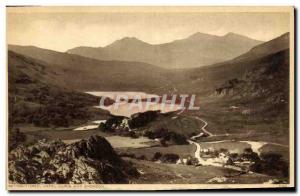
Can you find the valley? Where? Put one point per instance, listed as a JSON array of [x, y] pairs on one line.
[[240, 130]]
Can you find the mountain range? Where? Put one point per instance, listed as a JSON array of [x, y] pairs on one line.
[[87, 74], [260, 72], [194, 51]]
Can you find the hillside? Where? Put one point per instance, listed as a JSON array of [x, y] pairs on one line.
[[86, 74], [246, 97], [271, 47], [194, 51], [205, 80], [35, 99], [269, 78], [242, 101]]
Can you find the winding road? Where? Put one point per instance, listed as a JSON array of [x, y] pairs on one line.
[[197, 152], [202, 129], [210, 162], [198, 147]]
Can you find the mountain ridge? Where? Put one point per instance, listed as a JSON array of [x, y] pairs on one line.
[[153, 77], [86, 74], [196, 50], [273, 46]]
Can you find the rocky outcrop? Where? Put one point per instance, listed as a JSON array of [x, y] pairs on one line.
[[120, 123], [141, 119], [229, 87], [90, 161], [124, 126], [115, 124]]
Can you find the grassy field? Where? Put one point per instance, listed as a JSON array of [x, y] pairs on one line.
[[127, 142], [160, 173], [33, 136], [183, 151]]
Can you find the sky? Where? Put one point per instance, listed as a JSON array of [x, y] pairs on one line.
[[61, 29]]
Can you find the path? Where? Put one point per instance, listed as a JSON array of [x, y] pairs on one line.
[[198, 147], [211, 162], [202, 129]]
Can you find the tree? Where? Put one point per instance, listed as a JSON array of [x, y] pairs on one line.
[[102, 127], [15, 138], [271, 164], [156, 156], [249, 155]]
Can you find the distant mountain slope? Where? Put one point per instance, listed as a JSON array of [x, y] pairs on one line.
[[197, 50], [273, 46], [207, 79], [86, 74]]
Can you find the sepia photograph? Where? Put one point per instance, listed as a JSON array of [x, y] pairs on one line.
[[150, 98]]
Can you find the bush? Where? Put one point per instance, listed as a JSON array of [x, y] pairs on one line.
[[15, 138], [249, 155], [192, 161], [170, 158], [156, 156], [271, 164], [234, 156], [178, 138], [142, 157], [166, 136], [113, 125], [132, 134], [130, 155], [101, 127]]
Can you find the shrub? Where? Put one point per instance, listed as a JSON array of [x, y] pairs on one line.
[[156, 156], [192, 161], [15, 138], [249, 155], [166, 136], [178, 139], [142, 157], [101, 127], [271, 164], [130, 155], [170, 158], [133, 134]]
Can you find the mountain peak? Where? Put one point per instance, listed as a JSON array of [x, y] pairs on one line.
[[127, 41], [231, 34], [130, 39], [236, 36], [199, 35]]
